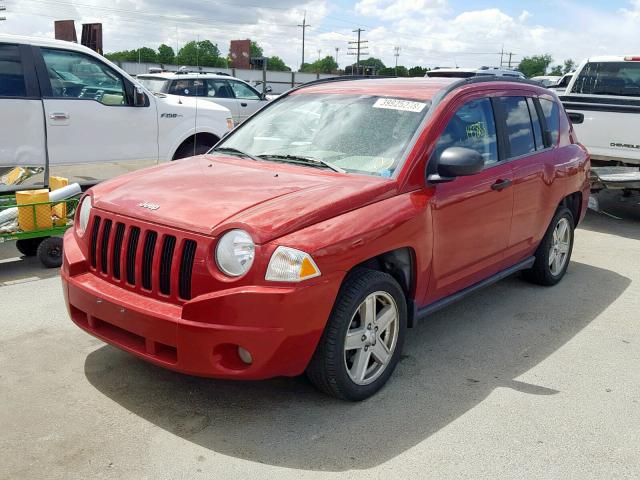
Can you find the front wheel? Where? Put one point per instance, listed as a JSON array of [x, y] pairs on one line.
[[363, 339], [29, 246], [554, 252]]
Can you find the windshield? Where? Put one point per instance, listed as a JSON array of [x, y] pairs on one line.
[[609, 78], [356, 133], [153, 84]]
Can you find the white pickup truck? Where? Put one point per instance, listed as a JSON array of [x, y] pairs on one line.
[[68, 111], [603, 102]]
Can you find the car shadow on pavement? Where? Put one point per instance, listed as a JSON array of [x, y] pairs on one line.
[[625, 226], [450, 364]]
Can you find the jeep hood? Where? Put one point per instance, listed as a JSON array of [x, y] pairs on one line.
[[211, 193]]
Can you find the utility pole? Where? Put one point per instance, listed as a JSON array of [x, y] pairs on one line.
[[501, 56], [358, 50], [510, 55], [319, 54], [337, 50], [396, 54], [304, 26]]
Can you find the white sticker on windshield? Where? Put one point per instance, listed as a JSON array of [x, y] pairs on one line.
[[397, 104]]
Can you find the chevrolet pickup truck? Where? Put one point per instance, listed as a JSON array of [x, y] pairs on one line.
[[603, 102]]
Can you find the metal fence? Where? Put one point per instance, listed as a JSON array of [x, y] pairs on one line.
[[279, 82]]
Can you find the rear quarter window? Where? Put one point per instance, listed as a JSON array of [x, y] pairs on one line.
[[552, 117]]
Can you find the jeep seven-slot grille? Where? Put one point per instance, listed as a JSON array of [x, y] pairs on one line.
[[119, 250]]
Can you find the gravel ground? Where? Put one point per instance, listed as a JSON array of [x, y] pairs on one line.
[[516, 381]]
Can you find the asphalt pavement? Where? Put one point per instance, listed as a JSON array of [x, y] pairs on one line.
[[516, 381]]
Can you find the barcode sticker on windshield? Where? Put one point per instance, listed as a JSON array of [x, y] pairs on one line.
[[397, 104]]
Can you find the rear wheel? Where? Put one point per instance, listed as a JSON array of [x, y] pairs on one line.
[[29, 246], [362, 341], [50, 252], [554, 252]]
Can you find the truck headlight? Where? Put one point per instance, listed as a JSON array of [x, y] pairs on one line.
[[235, 253], [84, 212], [291, 265]]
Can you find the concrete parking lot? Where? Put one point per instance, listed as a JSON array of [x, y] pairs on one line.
[[517, 381]]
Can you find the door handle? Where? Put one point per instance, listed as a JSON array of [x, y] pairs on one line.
[[243, 104], [501, 184], [59, 116]]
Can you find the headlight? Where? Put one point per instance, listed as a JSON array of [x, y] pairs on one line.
[[235, 253], [84, 212], [291, 265]]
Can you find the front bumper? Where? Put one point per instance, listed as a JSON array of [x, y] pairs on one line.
[[279, 326]]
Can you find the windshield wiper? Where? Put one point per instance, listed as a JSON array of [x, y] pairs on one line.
[[236, 152], [304, 160]]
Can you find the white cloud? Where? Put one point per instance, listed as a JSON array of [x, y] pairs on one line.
[[429, 31]]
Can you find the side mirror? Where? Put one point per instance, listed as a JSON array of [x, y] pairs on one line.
[[139, 97], [456, 162]]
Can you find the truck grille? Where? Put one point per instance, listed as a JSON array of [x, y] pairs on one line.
[[146, 257]]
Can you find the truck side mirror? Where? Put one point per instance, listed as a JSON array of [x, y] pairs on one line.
[[139, 97], [456, 162]]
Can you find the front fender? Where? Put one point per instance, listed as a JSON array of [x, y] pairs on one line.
[[342, 242]]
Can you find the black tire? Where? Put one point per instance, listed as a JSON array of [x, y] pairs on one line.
[[186, 150], [327, 369], [541, 272], [50, 252], [29, 246]]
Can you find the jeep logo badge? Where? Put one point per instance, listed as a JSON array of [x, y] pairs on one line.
[[150, 206]]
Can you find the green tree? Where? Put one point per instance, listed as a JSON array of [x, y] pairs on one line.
[[123, 56], [277, 64], [535, 65], [166, 54], [324, 65], [146, 55], [556, 70], [203, 53], [417, 71], [569, 66], [373, 62], [256, 50]]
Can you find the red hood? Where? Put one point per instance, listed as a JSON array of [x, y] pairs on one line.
[[209, 194]]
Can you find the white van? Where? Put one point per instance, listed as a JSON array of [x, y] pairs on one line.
[[68, 111]]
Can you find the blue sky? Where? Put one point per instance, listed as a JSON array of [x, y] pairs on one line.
[[429, 32]]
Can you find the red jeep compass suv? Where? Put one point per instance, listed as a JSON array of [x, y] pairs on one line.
[[313, 235]]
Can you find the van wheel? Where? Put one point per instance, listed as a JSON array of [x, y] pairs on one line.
[[29, 246], [554, 252], [363, 339], [187, 150], [50, 252]]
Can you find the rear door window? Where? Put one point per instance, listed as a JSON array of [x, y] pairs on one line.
[[609, 78], [472, 126], [12, 82], [519, 130], [552, 117], [188, 87], [219, 88]]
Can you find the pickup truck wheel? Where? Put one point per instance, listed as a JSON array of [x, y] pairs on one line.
[[554, 252], [363, 339], [50, 252], [29, 246]]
